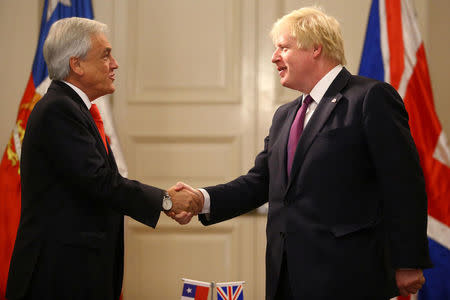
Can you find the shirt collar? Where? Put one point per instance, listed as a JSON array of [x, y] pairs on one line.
[[80, 93], [322, 86]]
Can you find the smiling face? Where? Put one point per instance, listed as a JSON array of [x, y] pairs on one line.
[[295, 66], [98, 67]]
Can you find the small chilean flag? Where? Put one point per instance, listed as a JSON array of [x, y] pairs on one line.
[[394, 52], [195, 290]]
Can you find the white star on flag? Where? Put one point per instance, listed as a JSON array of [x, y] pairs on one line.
[[52, 5], [189, 290]]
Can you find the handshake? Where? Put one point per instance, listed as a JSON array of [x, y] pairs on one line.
[[186, 202]]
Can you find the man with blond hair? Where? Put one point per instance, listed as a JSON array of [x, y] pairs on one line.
[[340, 171]]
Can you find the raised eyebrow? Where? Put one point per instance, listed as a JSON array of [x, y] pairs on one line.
[[107, 50], [282, 44]]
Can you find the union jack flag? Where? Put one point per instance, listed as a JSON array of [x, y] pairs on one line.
[[230, 291], [394, 52]]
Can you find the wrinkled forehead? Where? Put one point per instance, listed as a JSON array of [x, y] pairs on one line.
[[100, 40]]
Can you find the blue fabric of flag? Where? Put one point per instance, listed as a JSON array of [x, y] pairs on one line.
[[189, 290], [372, 59], [241, 295], [78, 8], [438, 278]]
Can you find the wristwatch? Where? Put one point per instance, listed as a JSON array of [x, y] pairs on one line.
[[167, 202]]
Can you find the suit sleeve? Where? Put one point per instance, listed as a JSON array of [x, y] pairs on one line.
[[241, 195], [73, 153], [398, 170]]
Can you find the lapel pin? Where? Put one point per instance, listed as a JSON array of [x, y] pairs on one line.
[[333, 101]]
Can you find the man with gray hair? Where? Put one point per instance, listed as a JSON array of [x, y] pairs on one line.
[[347, 204], [69, 242]]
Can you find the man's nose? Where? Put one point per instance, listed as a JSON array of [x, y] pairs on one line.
[[275, 56], [114, 63]]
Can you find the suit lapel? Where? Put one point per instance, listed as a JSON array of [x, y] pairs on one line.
[[95, 129], [318, 119], [84, 110]]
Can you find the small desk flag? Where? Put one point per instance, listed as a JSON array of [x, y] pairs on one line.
[[195, 290], [230, 290]]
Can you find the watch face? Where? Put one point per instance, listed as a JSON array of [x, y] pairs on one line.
[[167, 204]]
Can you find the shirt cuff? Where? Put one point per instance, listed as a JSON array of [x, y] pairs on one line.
[[207, 203]]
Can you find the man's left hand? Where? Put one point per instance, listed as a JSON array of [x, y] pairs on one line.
[[409, 281]]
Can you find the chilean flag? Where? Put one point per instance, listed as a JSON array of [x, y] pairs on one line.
[[394, 52], [37, 85], [195, 290]]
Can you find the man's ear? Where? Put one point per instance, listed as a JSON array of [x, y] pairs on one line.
[[75, 66], [317, 50]]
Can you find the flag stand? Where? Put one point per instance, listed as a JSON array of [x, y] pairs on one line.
[[213, 284]]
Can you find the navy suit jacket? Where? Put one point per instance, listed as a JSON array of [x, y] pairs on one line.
[[69, 243], [354, 208]]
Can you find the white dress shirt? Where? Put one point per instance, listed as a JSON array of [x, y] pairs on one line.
[[80, 93]]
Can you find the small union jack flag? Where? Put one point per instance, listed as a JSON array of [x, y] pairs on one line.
[[231, 291]]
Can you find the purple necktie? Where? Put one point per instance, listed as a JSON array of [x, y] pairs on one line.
[[296, 132]]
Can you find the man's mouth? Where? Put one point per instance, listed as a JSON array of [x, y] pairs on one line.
[[281, 70]]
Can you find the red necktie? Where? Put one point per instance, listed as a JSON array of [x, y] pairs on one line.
[[296, 132], [95, 113]]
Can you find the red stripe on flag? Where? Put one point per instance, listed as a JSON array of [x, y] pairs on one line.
[[425, 129], [438, 191], [10, 186], [9, 214], [222, 294], [395, 38], [419, 102], [403, 297], [201, 292], [237, 292]]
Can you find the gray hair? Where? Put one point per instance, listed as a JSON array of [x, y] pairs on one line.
[[69, 37]]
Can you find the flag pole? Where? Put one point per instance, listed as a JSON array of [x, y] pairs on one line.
[[212, 289]]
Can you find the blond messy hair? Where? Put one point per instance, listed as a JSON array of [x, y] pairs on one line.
[[311, 26]]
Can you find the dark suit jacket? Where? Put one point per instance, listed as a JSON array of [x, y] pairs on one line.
[[69, 243], [354, 208]]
